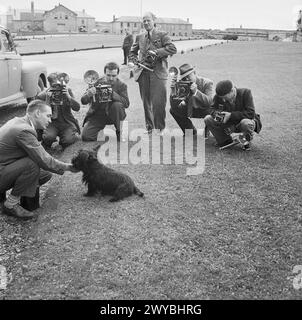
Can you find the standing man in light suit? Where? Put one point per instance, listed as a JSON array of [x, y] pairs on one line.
[[152, 84]]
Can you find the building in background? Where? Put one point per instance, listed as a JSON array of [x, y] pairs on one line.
[[174, 26], [61, 19], [25, 20], [85, 22]]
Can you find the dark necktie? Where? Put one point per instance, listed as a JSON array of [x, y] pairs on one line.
[[148, 40]]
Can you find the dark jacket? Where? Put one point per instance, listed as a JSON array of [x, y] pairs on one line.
[[161, 43], [65, 109], [128, 41], [243, 108], [18, 139], [120, 94]]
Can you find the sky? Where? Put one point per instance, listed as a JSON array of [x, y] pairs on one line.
[[205, 14]]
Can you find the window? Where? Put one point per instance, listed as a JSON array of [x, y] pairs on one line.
[[56, 17], [66, 17], [121, 24], [83, 21], [134, 24], [128, 24]]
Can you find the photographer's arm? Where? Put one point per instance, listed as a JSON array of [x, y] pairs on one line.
[[248, 108], [168, 48], [205, 99], [42, 95], [75, 106], [122, 95], [86, 97]]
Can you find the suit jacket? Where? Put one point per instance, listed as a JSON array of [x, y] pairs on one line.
[[18, 139], [241, 109], [65, 109], [161, 44], [128, 41], [120, 94], [203, 99]]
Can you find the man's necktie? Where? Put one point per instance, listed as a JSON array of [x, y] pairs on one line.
[[148, 42]]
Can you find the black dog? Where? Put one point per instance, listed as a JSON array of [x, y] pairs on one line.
[[98, 177]]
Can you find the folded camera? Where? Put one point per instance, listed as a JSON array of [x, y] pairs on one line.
[[57, 95], [148, 62], [218, 116], [180, 89]]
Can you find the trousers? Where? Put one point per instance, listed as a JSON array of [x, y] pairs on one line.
[[219, 130], [97, 122], [180, 114], [24, 178], [153, 93]]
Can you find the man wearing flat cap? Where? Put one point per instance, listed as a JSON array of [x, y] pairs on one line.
[[198, 102], [237, 108]]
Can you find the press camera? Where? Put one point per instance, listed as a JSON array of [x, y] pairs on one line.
[[218, 116], [180, 88], [103, 91], [57, 92]]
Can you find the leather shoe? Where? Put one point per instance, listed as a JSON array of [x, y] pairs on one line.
[[18, 212]]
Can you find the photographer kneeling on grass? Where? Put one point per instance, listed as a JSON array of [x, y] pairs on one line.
[[24, 163], [63, 124], [191, 96], [108, 99], [233, 111]]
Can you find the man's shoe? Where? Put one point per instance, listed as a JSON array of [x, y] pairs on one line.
[[249, 136], [18, 212], [246, 146]]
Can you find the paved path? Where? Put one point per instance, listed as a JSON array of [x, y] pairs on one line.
[[76, 63]]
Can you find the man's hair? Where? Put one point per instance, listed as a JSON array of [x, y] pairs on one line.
[[36, 105], [149, 14], [112, 66]]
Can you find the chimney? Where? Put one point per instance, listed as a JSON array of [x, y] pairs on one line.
[[188, 20], [83, 11], [114, 17]]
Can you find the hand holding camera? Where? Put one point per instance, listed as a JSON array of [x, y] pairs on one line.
[[91, 91], [65, 93], [227, 116], [193, 88]]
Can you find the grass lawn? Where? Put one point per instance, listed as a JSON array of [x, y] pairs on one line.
[[64, 43], [233, 232]]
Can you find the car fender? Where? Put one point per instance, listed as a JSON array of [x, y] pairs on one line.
[[31, 71]]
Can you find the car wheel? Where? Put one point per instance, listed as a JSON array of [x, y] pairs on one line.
[[40, 88]]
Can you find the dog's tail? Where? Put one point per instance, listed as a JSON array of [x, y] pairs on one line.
[[138, 192]]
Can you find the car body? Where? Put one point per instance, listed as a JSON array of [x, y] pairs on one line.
[[20, 81]]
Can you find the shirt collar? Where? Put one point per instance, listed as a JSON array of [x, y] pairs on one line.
[[30, 122]]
